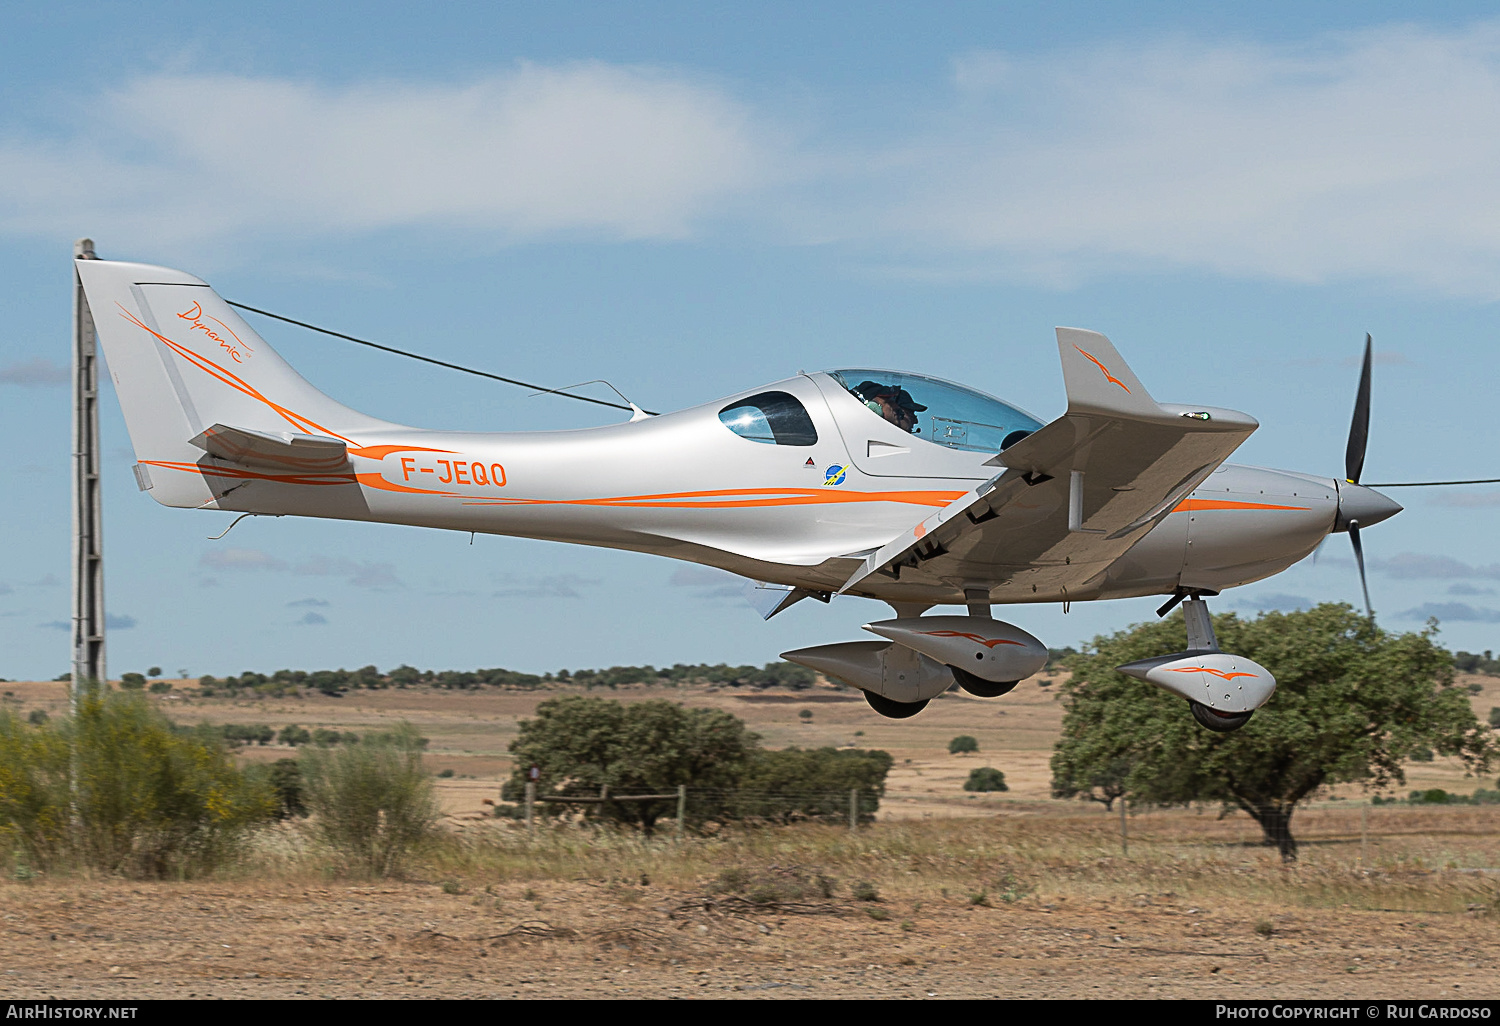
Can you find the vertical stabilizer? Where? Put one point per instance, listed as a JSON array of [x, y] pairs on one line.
[[183, 361]]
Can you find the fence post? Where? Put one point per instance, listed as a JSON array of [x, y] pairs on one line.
[[853, 809], [681, 808], [531, 806], [1364, 834], [1124, 831]]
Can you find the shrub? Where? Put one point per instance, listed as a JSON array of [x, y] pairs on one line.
[[962, 745], [132, 681], [294, 735], [986, 778], [285, 777], [151, 801], [374, 802]]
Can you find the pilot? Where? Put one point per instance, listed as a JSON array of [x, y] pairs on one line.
[[892, 402]]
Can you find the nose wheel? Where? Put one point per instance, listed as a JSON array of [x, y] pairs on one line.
[[1206, 673], [1219, 723]]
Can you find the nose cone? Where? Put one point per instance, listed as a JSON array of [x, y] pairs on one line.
[[1365, 505]]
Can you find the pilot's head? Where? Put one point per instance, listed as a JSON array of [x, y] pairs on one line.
[[898, 407]]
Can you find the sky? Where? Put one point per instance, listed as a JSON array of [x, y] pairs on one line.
[[689, 200]]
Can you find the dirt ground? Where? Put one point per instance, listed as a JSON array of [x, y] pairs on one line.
[[610, 938], [119, 941]]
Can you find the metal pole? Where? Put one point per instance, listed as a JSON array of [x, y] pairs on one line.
[[853, 809], [1124, 831], [1364, 834], [88, 523], [531, 806], [681, 808]]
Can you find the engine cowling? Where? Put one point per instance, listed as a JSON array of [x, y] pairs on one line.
[[989, 649]]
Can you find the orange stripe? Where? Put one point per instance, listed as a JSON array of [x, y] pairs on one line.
[[1194, 505], [737, 499], [212, 369], [972, 637], [380, 452]]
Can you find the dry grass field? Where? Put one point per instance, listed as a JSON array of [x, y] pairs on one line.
[[1010, 895]]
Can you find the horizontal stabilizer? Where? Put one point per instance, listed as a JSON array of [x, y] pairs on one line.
[[279, 450]]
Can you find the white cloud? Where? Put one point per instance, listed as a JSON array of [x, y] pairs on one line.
[[628, 152], [1367, 155], [1355, 156]]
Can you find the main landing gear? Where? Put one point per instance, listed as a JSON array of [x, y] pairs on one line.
[[981, 688], [892, 709]]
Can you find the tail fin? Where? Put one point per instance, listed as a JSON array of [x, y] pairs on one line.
[[186, 367]]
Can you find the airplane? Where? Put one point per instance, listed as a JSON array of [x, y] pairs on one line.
[[894, 486]]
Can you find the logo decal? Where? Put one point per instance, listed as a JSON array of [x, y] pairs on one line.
[[834, 476], [1103, 369], [238, 351], [972, 637], [1205, 669]]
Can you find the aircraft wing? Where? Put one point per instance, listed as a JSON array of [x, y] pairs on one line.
[[1074, 496]]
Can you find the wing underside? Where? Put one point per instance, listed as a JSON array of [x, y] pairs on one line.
[[1073, 497]]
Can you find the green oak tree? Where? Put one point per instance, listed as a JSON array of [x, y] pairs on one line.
[[581, 744], [1353, 702]]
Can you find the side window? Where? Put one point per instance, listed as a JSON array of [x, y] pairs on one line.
[[774, 418]]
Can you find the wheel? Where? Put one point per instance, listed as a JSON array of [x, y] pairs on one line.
[[981, 688], [1219, 723], [891, 709]]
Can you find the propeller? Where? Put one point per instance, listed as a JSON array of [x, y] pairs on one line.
[[1360, 506]]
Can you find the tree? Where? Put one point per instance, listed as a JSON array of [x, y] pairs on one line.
[[583, 744], [986, 778], [1353, 703], [1078, 772], [796, 784], [963, 745]]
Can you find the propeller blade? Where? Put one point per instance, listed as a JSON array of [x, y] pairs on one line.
[[1359, 428], [1359, 558]]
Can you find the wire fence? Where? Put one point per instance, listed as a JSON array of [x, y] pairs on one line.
[[853, 807]]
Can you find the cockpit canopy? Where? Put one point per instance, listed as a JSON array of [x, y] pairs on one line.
[[938, 411]]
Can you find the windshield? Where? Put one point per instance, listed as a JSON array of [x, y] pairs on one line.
[[938, 411]]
